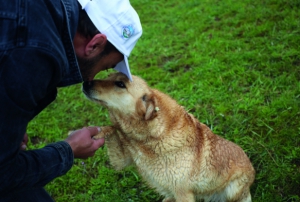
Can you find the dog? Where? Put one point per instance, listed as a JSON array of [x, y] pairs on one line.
[[174, 153]]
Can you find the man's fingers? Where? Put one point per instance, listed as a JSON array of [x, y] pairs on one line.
[[94, 130], [99, 142], [23, 147], [25, 138]]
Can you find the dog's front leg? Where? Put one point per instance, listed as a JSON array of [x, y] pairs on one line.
[[118, 153]]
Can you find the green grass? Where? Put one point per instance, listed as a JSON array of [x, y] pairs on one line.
[[234, 64]]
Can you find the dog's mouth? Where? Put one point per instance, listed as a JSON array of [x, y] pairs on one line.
[[88, 95], [101, 102]]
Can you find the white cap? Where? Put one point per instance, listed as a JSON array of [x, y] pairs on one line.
[[118, 20]]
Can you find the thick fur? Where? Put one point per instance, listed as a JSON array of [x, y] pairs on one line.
[[174, 153]]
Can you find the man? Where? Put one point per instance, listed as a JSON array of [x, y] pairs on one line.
[[40, 42]]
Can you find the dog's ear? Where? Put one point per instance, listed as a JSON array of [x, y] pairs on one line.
[[150, 111], [146, 107]]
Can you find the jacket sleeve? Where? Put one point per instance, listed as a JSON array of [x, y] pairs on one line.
[[27, 77]]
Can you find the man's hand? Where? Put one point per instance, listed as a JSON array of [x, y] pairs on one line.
[[23, 145], [82, 142]]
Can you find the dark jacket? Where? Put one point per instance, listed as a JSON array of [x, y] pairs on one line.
[[36, 56]]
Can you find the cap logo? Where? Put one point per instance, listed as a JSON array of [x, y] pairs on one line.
[[128, 31]]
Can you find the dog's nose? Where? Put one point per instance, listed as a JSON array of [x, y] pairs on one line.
[[87, 85]]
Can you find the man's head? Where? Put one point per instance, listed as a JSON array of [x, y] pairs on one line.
[[106, 34]]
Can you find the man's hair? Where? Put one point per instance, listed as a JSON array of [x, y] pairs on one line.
[[88, 30]]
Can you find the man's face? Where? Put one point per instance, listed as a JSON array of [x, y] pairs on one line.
[[90, 67], [89, 52]]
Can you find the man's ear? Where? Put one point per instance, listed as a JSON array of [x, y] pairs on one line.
[[96, 45]]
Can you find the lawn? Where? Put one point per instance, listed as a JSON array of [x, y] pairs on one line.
[[235, 65]]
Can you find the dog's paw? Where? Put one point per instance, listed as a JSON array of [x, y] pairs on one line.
[[105, 131]]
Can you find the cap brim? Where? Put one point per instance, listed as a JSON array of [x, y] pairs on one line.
[[123, 67]]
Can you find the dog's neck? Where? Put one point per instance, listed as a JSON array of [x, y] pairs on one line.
[[168, 117]]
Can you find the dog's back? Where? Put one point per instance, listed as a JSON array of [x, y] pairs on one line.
[[196, 159]]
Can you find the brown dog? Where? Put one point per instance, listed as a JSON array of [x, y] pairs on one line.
[[174, 153]]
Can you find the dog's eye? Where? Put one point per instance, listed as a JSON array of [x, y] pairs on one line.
[[120, 84]]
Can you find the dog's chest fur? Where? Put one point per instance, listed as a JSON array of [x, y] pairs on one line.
[[165, 152], [169, 154]]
